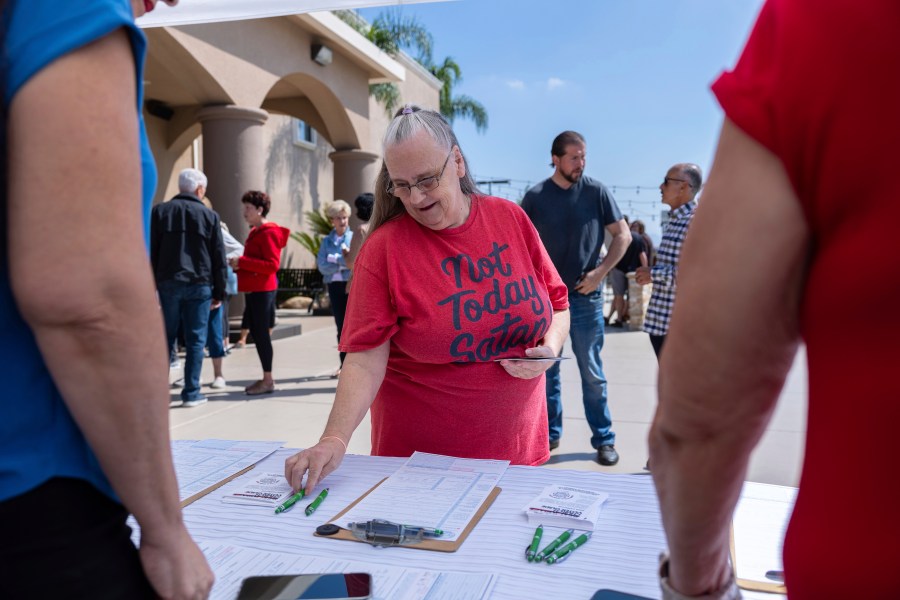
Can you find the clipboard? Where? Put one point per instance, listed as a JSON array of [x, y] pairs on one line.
[[425, 544], [752, 585]]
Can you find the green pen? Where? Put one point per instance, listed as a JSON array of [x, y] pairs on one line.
[[289, 502], [554, 545], [432, 531], [563, 553], [531, 550], [315, 503]]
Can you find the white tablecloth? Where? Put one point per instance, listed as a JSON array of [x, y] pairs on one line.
[[621, 555]]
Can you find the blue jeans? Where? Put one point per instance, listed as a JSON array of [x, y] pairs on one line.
[[586, 313], [214, 337], [188, 303]]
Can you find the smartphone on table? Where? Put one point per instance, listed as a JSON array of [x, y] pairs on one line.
[[614, 595], [320, 586]]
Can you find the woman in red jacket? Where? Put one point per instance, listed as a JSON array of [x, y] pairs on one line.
[[256, 271]]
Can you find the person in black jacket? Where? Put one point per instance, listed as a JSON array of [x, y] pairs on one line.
[[188, 258]]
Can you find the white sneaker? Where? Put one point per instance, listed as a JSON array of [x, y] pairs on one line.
[[175, 403], [194, 402], [178, 383], [175, 364], [218, 383]]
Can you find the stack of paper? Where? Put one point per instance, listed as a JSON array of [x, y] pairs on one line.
[[261, 489], [565, 506]]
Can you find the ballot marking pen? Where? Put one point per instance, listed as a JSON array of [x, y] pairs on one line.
[[289, 502], [315, 503], [564, 552], [549, 548], [532, 549], [432, 531]]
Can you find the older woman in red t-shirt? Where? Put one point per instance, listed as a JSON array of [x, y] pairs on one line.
[[256, 271], [449, 287]]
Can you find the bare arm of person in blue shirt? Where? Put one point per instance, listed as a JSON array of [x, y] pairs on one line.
[[732, 340], [81, 277]]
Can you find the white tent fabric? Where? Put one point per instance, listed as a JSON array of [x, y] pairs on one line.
[[189, 12]]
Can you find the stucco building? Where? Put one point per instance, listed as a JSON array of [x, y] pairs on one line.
[[246, 102]]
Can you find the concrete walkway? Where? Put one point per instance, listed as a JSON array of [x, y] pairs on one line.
[[297, 411]]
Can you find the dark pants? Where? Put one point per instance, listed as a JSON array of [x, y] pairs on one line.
[[245, 318], [657, 341], [337, 294], [260, 306], [66, 539]]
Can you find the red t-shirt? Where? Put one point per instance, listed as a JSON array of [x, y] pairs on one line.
[[451, 302], [819, 86]]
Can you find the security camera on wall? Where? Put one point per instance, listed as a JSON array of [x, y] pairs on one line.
[[321, 54]]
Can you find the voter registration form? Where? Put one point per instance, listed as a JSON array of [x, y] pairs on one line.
[[431, 490]]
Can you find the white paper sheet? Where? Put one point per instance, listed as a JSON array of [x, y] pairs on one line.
[[204, 463], [760, 521], [430, 490], [231, 564], [566, 506], [260, 489]]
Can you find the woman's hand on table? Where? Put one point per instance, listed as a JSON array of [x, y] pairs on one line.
[[527, 369], [315, 463]]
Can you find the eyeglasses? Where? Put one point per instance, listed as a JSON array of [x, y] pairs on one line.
[[426, 184], [666, 180]]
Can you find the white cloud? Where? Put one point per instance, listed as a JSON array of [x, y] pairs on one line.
[[554, 82], [516, 84]]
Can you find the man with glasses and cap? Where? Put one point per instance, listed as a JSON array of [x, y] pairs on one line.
[[678, 189]]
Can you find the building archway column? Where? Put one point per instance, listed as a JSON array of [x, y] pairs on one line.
[[234, 162], [355, 172], [233, 159]]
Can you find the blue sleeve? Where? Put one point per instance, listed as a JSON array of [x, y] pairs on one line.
[[41, 31]]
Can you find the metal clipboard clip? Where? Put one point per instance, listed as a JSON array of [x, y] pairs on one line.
[[379, 532]]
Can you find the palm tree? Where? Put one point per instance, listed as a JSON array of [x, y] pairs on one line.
[[391, 32], [462, 106]]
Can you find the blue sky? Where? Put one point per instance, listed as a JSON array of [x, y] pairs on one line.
[[632, 76]]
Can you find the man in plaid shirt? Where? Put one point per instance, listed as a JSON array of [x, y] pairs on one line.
[[679, 188]]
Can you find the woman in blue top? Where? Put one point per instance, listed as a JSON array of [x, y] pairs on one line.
[[332, 263], [84, 410]]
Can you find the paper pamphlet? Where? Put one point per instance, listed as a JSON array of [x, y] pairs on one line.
[[565, 506], [231, 564], [203, 465], [261, 489], [431, 490]]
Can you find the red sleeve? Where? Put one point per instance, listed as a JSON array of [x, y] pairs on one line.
[[371, 317]]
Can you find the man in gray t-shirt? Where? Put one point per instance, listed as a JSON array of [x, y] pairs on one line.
[[572, 213]]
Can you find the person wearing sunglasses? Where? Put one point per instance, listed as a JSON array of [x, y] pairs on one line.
[[679, 190], [449, 286]]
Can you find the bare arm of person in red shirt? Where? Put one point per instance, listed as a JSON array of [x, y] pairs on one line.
[[550, 345], [732, 340], [361, 376], [75, 183]]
